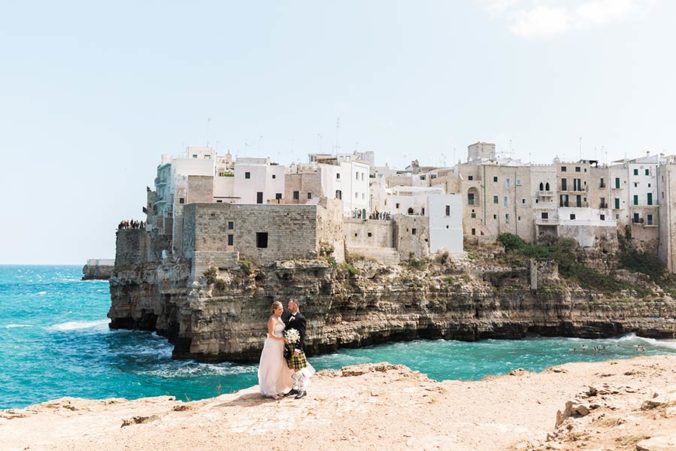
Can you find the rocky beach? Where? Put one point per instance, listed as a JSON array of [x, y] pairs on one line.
[[619, 404]]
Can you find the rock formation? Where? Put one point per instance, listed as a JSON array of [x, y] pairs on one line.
[[221, 315]]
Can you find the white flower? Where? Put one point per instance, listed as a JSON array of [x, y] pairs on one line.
[[292, 336]]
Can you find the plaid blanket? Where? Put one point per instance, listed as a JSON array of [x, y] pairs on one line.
[[295, 361]]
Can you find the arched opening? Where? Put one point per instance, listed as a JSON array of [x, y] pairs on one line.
[[472, 196], [547, 187], [542, 186], [410, 210]]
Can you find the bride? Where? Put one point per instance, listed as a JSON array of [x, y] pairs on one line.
[[274, 376]]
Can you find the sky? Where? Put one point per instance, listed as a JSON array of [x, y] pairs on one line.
[[93, 93]]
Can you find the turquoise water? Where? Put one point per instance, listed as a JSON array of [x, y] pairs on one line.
[[54, 342]]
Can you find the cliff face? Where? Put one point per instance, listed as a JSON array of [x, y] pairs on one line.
[[222, 317]]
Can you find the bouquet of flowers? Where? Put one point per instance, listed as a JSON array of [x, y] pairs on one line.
[[292, 336]]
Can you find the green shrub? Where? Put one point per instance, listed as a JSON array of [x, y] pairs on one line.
[[349, 268], [211, 275], [246, 266]]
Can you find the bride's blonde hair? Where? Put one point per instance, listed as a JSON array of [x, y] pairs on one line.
[[275, 306]]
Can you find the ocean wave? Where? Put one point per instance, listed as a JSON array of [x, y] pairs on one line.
[[669, 344], [101, 324], [14, 326], [200, 369]]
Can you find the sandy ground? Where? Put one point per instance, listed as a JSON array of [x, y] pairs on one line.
[[623, 404]]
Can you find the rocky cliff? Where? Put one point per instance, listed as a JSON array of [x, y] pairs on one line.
[[221, 315]]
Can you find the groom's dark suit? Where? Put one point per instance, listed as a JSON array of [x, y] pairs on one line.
[[297, 322]]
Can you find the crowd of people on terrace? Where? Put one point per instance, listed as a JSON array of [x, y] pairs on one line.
[[131, 224], [360, 214]]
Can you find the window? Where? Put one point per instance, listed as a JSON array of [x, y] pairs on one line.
[[274, 176], [544, 215], [259, 197], [505, 201], [278, 196], [337, 175], [473, 215], [495, 199], [523, 201], [650, 220], [647, 172], [262, 240], [542, 186], [547, 186], [356, 175], [495, 179], [507, 218], [356, 195], [602, 183], [473, 231], [423, 211], [247, 175], [339, 194], [369, 234], [564, 184], [309, 195], [181, 200], [635, 199], [603, 217], [635, 171], [470, 199], [635, 184], [231, 239], [636, 218], [362, 176], [563, 169], [617, 182], [470, 177], [495, 216], [650, 198], [617, 203], [577, 168], [219, 201], [296, 195], [507, 182], [578, 201], [572, 216], [363, 196], [413, 231], [396, 206], [231, 225], [448, 210]]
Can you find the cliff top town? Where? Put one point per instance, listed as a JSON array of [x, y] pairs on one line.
[[344, 204]]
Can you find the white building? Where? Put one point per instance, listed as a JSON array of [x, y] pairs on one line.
[[444, 213], [258, 181]]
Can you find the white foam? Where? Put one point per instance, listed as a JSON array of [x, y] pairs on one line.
[[101, 324], [14, 326]]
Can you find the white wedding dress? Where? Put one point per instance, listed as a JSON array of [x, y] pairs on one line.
[[274, 375]]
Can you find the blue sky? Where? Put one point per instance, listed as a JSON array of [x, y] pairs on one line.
[[92, 95]]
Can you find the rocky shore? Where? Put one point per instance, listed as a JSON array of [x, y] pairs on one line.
[[623, 404], [220, 315]]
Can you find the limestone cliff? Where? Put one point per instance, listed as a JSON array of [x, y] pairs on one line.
[[221, 316]]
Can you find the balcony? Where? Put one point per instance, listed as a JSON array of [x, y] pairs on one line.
[[603, 205], [545, 193]]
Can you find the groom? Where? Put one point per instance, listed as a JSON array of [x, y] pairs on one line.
[[295, 358]]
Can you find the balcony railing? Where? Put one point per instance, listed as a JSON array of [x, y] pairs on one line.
[[603, 205]]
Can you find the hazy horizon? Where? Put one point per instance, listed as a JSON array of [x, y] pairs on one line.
[[93, 95]]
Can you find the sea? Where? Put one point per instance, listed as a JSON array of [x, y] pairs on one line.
[[55, 342]]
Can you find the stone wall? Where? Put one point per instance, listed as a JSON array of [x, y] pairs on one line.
[[305, 183], [290, 231], [411, 236], [369, 233], [131, 247], [330, 228], [200, 189]]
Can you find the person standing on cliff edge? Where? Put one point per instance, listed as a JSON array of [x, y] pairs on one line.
[[295, 357]]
